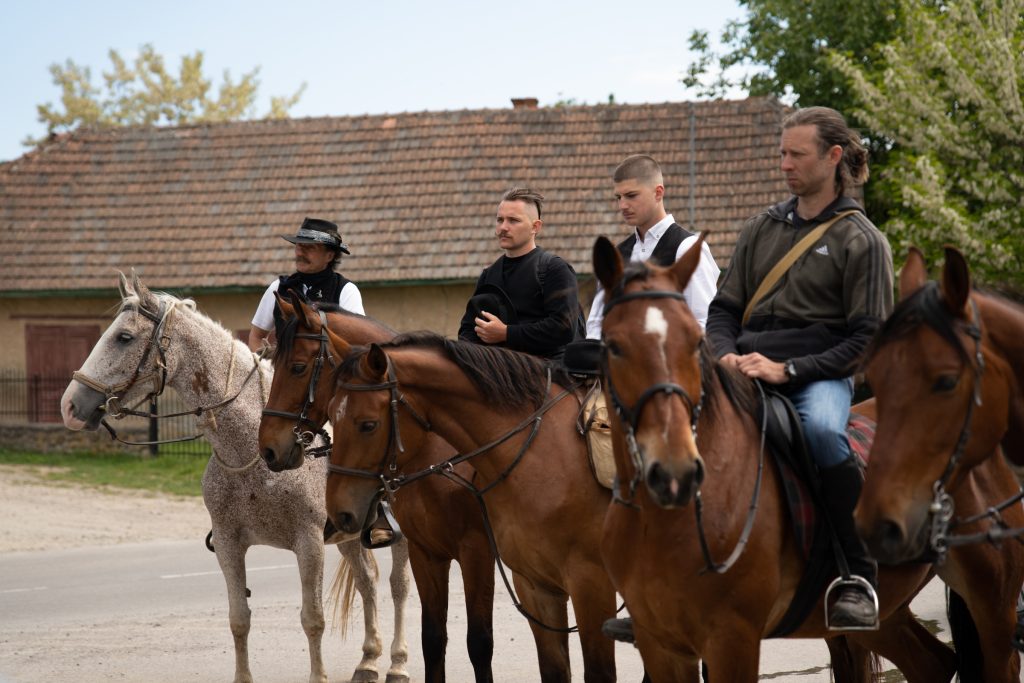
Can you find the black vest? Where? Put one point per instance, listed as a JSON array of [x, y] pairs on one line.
[[664, 253], [329, 292]]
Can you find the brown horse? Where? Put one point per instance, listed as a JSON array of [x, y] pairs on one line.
[[440, 519], [946, 369], [711, 583], [516, 427]]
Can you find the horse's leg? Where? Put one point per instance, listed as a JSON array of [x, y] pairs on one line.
[[364, 574], [593, 601], [431, 576], [399, 672], [231, 558], [477, 566], [919, 655], [552, 646], [735, 654], [663, 664], [310, 555]]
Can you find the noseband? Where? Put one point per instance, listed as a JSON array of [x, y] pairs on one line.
[[630, 415], [158, 340], [304, 437]]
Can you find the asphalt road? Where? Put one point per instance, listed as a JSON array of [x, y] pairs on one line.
[[157, 612]]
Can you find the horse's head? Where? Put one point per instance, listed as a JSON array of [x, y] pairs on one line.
[[652, 370], [939, 411], [297, 407], [128, 363], [376, 431]]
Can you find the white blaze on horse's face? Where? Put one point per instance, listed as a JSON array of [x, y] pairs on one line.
[[339, 412], [656, 325]]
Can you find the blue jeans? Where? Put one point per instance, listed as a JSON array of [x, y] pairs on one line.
[[824, 409]]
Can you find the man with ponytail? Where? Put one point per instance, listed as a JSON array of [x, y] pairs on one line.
[[805, 333]]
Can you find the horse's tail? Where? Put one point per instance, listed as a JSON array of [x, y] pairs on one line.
[[343, 587], [966, 640], [852, 662]]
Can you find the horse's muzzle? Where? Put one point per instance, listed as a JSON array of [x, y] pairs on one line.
[[674, 488]]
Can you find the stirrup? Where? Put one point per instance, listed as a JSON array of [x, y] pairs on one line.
[[372, 539], [860, 583], [620, 630]]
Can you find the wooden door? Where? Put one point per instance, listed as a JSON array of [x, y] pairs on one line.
[[52, 354]]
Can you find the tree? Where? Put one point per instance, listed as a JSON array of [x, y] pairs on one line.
[[145, 93], [948, 95]]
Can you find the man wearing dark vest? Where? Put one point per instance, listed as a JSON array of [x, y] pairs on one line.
[[527, 300], [640, 192], [318, 249]]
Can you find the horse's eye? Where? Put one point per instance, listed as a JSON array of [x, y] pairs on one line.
[[125, 337], [298, 368], [945, 383], [368, 426], [613, 348]]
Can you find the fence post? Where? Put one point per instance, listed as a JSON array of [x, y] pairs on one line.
[[154, 430]]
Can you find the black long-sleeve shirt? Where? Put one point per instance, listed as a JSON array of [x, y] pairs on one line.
[[547, 317]]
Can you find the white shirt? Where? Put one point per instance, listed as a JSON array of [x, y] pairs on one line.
[[699, 291], [350, 299]]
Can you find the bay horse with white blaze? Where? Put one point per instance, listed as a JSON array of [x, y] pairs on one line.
[[439, 518], [510, 418], [947, 370], [698, 539], [157, 340]]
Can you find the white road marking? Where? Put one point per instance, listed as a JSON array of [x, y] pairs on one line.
[[218, 572], [23, 590]]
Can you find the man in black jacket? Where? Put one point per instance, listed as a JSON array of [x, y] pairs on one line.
[[807, 332], [527, 300]]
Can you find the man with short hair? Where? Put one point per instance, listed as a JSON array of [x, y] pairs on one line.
[[318, 250], [640, 193], [527, 300], [808, 330]]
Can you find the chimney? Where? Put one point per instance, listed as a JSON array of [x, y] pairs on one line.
[[524, 102]]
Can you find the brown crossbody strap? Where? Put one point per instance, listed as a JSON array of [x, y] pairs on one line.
[[786, 261]]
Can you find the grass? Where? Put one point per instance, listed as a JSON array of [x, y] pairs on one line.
[[173, 474]]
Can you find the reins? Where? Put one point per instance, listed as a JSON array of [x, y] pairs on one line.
[[629, 417]]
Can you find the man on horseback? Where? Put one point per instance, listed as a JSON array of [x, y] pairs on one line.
[[804, 333], [318, 249], [527, 300], [640, 192]]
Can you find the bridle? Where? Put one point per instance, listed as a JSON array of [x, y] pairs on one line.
[[629, 417], [159, 342], [304, 437], [941, 508]]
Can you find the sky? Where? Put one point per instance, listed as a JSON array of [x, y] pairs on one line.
[[367, 57]]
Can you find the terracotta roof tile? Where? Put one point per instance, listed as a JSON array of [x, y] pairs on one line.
[[414, 194]]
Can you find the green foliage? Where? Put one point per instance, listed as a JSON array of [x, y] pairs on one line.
[[179, 475], [146, 93], [948, 94], [780, 48]]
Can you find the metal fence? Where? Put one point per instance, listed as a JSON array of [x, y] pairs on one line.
[[35, 399]]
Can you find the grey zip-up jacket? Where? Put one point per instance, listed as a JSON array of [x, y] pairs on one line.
[[824, 310]]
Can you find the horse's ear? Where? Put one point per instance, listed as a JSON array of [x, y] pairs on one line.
[[307, 316], [375, 362], [914, 274], [123, 286], [683, 269], [340, 346], [146, 298], [287, 309], [607, 263], [956, 281]]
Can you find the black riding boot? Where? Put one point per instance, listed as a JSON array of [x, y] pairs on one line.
[[840, 489]]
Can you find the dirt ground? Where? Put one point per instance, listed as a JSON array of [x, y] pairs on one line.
[[40, 515]]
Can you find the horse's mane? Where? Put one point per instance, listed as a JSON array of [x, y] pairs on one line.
[[289, 328], [923, 307], [506, 379]]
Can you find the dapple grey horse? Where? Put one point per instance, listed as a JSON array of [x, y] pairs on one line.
[[157, 340]]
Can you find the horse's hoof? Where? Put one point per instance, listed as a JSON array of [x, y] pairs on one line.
[[397, 678], [364, 676]]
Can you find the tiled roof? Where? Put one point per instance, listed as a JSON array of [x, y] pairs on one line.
[[414, 194]]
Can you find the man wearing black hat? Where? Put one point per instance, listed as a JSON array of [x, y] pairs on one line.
[[318, 248], [528, 299]]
